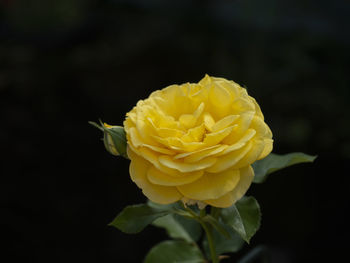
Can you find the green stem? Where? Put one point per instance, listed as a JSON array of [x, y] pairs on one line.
[[207, 229], [208, 232], [215, 212]]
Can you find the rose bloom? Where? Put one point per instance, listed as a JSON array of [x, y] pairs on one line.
[[196, 142]]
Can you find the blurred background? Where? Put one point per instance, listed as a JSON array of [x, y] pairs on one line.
[[63, 63]]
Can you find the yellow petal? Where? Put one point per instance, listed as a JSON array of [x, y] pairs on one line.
[[144, 130], [186, 167], [187, 120], [259, 125], [231, 86], [195, 134], [159, 149], [200, 96], [241, 142], [244, 121], [242, 104], [224, 122], [257, 108], [211, 186], [198, 112], [205, 81], [204, 154], [156, 193], [229, 160], [216, 137], [145, 153], [267, 148], [177, 144], [168, 132], [242, 124], [209, 121], [252, 155], [138, 168], [219, 96], [246, 178], [183, 155], [158, 177], [135, 137], [152, 157]]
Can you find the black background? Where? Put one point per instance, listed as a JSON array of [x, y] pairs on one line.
[[66, 62]]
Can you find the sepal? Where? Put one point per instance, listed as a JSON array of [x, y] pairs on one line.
[[114, 138]]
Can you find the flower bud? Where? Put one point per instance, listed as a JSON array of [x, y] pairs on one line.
[[114, 138]]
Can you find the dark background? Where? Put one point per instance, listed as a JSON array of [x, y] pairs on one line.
[[63, 63]]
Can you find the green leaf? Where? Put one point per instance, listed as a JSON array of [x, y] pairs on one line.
[[244, 217], [274, 162], [180, 227], [174, 251], [223, 244], [135, 218], [217, 225]]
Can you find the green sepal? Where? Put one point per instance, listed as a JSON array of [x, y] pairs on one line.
[[172, 251], [274, 162], [244, 217], [114, 138], [179, 227], [135, 218]]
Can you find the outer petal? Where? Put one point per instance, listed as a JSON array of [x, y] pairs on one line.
[[252, 155], [241, 142], [158, 177], [156, 193], [211, 186], [267, 149], [186, 167], [246, 178]]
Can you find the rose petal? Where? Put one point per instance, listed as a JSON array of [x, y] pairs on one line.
[[178, 145], [246, 178], [216, 137], [229, 160], [208, 120], [267, 148], [211, 186], [183, 155], [158, 177], [195, 134], [224, 122], [204, 154], [219, 96], [241, 142], [156, 193], [186, 167], [252, 155]]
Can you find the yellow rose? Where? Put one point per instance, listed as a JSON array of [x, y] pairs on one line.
[[196, 142]]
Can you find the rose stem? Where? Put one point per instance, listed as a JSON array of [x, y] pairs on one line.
[[208, 232]]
